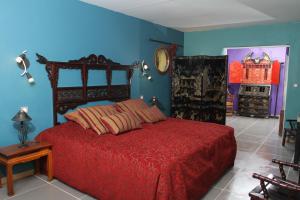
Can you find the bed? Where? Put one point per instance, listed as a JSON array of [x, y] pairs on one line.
[[160, 161], [171, 160]]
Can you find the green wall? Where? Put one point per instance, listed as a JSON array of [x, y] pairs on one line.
[[213, 42]]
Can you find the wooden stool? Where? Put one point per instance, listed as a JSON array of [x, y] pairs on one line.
[[288, 132]]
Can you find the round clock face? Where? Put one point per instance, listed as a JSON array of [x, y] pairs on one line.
[[162, 59]]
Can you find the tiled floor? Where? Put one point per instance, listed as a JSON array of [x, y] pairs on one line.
[[37, 188], [258, 142]]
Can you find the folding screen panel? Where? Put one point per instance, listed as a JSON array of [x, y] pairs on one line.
[[199, 88]]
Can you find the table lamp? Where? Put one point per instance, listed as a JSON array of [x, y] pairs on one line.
[[22, 117]]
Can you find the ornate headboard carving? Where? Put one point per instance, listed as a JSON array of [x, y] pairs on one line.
[[65, 98]]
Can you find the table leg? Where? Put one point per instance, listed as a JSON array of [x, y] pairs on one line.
[[281, 122], [297, 146], [49, 166], [10, 187], [37, 166], [0, 180]]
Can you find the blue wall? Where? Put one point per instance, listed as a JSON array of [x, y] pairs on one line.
[[213, 42], [63, 30]]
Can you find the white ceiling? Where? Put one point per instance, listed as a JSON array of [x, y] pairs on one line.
[[194, 15]]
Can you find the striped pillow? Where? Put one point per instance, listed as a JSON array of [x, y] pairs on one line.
[[93, 114], [121, 122], [132, 105], [106, 110], [76, 117], [151, 115]]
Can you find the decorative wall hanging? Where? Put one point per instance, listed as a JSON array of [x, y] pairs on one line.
[[255, 71], [276, 72], [172, 52], [163, 56], [162, 59], [235, 72]]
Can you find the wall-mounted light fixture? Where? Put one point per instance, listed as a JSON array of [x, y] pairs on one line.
[[24, 64], [144, 69]]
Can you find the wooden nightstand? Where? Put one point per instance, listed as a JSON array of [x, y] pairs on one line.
[[12, 155]]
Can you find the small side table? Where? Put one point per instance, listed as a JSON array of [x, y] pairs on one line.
[[12, 155]]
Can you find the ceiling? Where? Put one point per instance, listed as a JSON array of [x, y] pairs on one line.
[[197, 15]]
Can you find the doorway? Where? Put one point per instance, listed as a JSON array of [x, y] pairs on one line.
[[250, 74]]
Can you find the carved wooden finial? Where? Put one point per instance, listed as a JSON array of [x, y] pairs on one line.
[[41, 59]]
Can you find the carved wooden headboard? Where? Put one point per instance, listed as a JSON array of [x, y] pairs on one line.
[[65, 98]]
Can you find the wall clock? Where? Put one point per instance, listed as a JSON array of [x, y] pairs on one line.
[[162, 59]]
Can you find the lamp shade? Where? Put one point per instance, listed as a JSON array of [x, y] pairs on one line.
[[29, 78], [19, 59], [21, 116]]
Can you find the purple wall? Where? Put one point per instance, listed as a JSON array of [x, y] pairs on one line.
[[275, 53]]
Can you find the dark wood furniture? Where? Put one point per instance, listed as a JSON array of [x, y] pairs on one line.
[[199, 88], [293, 131], [297, 145], [281, 123], [274, 187], [254, 100], [229, 104], [65, 98], [289, 132], [13, 155], [257, 71]]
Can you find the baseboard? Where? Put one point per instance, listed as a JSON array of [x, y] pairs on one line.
[[19, 175]]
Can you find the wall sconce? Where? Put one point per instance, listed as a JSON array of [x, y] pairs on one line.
[[144, 69], [154, 100], [24, 64]]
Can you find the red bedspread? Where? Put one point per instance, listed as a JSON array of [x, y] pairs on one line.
[[175, 159]]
